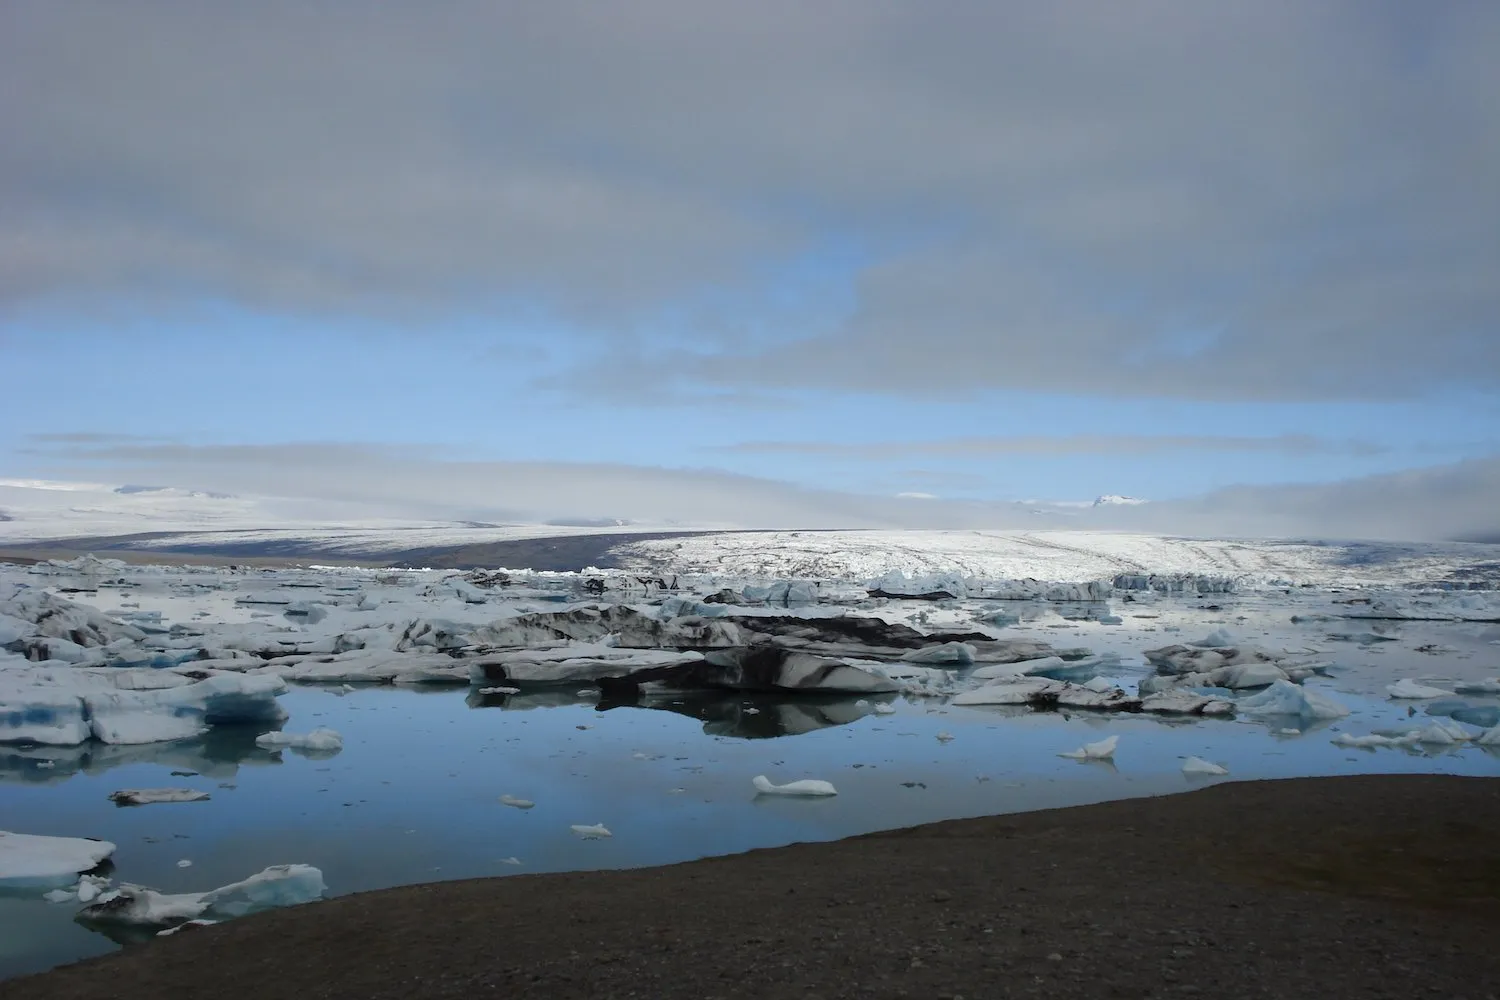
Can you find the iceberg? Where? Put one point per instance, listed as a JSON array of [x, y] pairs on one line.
[[1102, 750], [68, 706], [28, 859], [806, 788], [1286, 698], [1490, 685], [1199, 766]]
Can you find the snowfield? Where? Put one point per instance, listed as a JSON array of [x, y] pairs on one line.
[[1069, 556]]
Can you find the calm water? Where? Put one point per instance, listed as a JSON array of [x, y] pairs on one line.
[[414, 795]]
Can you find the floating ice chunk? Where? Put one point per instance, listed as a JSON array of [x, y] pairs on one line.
[[1197, 765], [322, 739], [885, 709], [279, 885], [1099, 685], [516, 803], [59, 896], [1443, 732], [945, 737], [1410, 689], [184, 863], [183, 712], [1219, 637], [806, 788], [1374, 740], [510, 861], [1490, 685], [1103, 750], [150, 796], [1489, 738], [1286, 698], [27, 859], [137, 905], [596, 832], [500, 690], [1010, 671], [1186, 703], [185, 924]]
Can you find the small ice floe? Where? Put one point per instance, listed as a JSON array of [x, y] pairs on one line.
[[752, 711], [806, 788], [862, 703], [185, 925], [596, 832], [1373, 740], [46, 765], [510, 861], [1489, 738], [945, 737], [321, 739], [516, 803], [1490, 685], [586, 692], [151, 796], [1413, 690], [184, 863], [1207, 768], [885, 709], [500, 690], [1102, 750], [27, 859]]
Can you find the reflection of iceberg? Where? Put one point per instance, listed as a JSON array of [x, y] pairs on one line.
[[218, 753], [763, 718]]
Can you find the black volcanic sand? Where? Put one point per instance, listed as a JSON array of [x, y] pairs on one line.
[[558, 553], [1368, 886]]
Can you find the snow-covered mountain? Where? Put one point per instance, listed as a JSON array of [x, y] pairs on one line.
[[1115, 500]]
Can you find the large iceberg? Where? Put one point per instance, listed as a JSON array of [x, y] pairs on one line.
[[67, 706], [1286, 698]]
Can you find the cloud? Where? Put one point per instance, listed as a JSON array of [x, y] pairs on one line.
[[1442, 502], [1272, 200], [1075, 444]]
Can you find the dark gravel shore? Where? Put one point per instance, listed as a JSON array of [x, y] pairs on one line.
[[1371, 886]]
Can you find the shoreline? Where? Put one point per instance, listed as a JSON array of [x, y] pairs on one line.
[[1375, 885]]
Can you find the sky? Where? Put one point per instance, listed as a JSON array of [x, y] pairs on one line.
[[768, 264]]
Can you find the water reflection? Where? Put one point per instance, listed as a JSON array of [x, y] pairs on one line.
[[751, 717], [219, 753]]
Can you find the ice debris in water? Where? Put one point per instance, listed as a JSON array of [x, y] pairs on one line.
[[516, 803], [885, 709], [806, 788], [1490, 685], [500, 690], [1197, 765], [596, 832], [1286, 698], [1102, 750], [149, 796], [945, 737], [321, 739], [1407, 688]]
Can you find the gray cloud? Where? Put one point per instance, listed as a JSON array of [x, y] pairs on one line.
[[1268, 200], [1073, 444], [1442, 502]]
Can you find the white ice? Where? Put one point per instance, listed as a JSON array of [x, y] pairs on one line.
[[279, 885], [1102, 750], [322, 740], [806, 788], [1197, 765], [1407, 688], [516, 803], [148, 796], [27, 859], [597, 831]]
